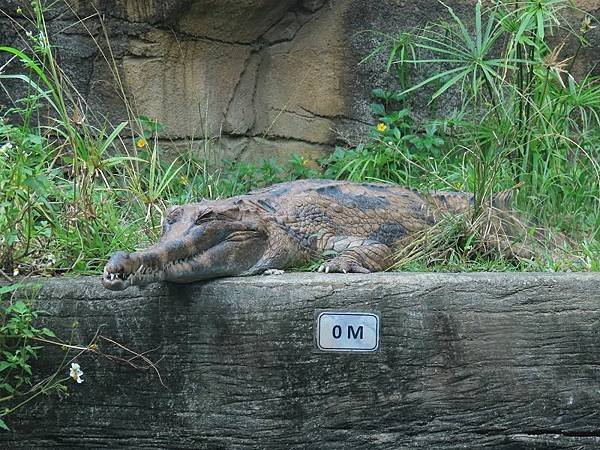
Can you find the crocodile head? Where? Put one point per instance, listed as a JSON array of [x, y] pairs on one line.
[[199, 241]]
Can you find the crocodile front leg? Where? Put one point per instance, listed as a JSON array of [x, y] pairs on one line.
[[358, 255]]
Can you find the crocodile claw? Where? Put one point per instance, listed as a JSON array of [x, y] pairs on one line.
[[341, 265], [325, 268], [273, 272]]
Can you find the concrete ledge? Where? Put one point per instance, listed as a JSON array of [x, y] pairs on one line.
[[465, 361]]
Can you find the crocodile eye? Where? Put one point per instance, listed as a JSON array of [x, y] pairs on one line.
[[205, 216]]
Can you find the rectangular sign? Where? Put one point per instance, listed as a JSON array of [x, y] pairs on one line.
[[347, 331]]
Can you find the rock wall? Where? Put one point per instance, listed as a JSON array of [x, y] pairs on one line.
[[267, 77], [504, 361]]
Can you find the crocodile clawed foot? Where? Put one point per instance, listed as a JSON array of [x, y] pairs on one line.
[[342, 265], [273, 272]]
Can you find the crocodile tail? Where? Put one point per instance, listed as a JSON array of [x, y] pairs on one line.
[[502, 200], [452, 202], [460, 202]]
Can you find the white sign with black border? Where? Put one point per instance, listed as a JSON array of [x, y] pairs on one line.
[[341, 331]]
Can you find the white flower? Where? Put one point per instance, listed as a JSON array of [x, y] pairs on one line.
[[16, 272], [76, 373], [6, 147]]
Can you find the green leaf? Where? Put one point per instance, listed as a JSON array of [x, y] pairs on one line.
[[448, 84], [31, 63], [3, 425], [47, 332], [112, 137], [525, 24], [9, 288], [8, 388], [466, 36], [478, 24], [35, 139], [379, 93], [378, 109], [434, 78], [540, 25], [19, 307]]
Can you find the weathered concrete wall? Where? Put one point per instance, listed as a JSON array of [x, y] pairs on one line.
[[465, 361], [270, 77]]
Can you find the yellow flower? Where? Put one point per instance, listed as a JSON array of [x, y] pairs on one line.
[[141, 143], [184, 180], [381, 127], [19, 10]]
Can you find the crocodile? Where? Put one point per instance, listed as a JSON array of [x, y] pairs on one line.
[[285, 225]]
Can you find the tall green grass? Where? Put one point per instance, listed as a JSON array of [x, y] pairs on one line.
[[524, 118], [523, 121], [73, 187]]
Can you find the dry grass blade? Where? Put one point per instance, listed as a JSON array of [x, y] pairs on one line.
[[493, 234]]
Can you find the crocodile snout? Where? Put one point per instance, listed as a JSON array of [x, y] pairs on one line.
[[118, 271]]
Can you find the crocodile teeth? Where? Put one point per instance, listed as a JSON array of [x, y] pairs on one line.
[[120, 275]]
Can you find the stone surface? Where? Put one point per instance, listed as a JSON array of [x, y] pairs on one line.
[[300, 90], [466, 361], [285, 71], [247, 149], [281, 149], [233, 20], [195, 81]]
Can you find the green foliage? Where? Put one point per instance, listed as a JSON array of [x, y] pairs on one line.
[[396, 150], [26, 186], [239, 177], [16, 334], [523, 121], [523, 118], [73, 189], [20, 344]]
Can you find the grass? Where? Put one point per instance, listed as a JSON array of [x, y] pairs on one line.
[[74, 188], [524, 123]]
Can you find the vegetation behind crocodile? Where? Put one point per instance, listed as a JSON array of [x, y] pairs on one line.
[[285, 225]]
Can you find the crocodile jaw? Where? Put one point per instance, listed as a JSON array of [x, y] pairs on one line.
[[119, 281], [125, 269], [226, 258]]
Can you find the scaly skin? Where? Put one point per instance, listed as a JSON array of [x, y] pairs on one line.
[[285, 225]]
